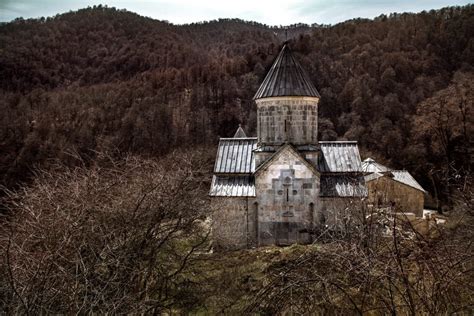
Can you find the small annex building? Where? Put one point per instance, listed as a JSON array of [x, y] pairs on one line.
[[279, 187], [393, 188]]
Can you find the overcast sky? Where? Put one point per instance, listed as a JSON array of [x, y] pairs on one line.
[[272, 12]]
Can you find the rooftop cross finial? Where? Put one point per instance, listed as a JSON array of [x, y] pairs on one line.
[[286, 34]]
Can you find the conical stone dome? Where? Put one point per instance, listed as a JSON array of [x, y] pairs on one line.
[[286, 78]]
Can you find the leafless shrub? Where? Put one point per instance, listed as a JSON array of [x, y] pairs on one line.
[[118, 237], [365, 272]]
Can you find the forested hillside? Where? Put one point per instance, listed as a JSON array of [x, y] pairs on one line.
[[108, 80], [108, 128]]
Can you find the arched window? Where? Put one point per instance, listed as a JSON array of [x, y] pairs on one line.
[[311, 213]]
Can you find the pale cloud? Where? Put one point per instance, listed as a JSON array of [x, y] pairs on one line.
[[272, 12]]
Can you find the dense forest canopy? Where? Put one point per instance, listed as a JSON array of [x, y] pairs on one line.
[[108, 80]]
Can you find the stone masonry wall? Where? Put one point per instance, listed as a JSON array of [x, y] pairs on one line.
[[234, 222], [287, 191], [384, 191], [287, 119]]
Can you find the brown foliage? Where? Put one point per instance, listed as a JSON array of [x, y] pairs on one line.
[[103, 78]]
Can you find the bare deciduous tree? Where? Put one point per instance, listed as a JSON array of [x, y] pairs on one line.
[[118, 237]]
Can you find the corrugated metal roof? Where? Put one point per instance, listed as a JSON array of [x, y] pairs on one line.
[[339, 156], [331, 186], [286, 78], [405, 177], [343, 186], [370, 165], [401, 176], [235, 155], [373, 176], [232, 186]]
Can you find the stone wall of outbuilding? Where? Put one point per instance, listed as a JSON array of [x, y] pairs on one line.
[[385, 191]]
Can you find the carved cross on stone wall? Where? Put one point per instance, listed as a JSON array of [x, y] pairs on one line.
[[288, 196]]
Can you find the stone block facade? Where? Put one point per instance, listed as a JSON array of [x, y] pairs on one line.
[[288, 190], [236, 225], [287, 119], [385, 191], [271, 193]]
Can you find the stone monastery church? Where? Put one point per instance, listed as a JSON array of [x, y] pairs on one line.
[[276, 188]]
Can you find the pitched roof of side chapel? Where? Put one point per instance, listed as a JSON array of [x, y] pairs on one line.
[[376, 170], [401, 176], [234, 169], [339, 156], [370, 165], [234, 166]]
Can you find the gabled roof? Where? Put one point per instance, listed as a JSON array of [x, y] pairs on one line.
[[401, 176], [286, 78], [405, 177], [370, 165], [279, 152], [231, 185], [373, 176], [240, 133], [235, 156], [342, 186], [339, 156]]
